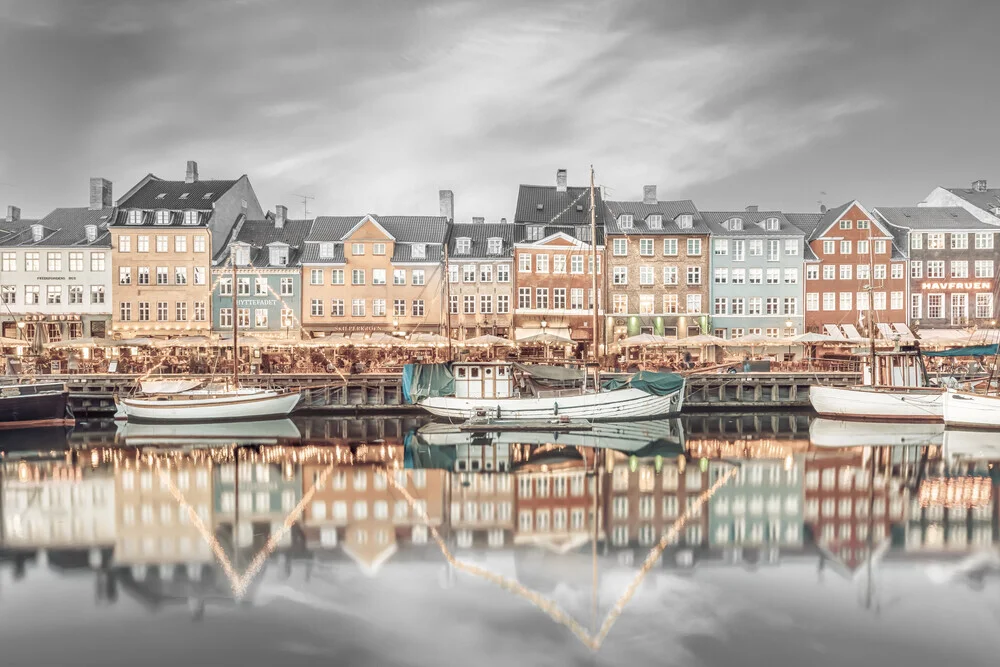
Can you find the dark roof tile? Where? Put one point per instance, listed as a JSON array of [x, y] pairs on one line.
[[177, 195], [545, 205], [479, 235], [640, 213], [931, 218], [63, 227]]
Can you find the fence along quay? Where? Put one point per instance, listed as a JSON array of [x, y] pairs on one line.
[[93, 395]]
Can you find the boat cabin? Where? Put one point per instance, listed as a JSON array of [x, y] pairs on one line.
[[901, 367], [483, 380]]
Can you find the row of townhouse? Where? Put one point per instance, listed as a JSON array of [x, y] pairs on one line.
[[160, 262]]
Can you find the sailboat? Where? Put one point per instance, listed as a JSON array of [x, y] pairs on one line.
[[212, 404], [894, 384]]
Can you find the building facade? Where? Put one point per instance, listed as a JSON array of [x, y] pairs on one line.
[[370, 273], [850, 250], [981, 201], [756, 274], [164, 236], [56, 272], [254, 507], [269, 277], [658, 268], [481, 279], [952, 260], [761, 506], [554, 262]]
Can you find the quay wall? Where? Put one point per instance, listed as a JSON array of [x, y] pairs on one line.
[[93, 395]]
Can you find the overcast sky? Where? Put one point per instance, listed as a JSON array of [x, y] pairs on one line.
[[374, 106]]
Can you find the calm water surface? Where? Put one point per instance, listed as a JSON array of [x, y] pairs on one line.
[[711, 540]]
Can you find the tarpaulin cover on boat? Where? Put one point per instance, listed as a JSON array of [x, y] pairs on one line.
[[558, 373], [657, 384], [973, 351], [425, 380], [417, 455]]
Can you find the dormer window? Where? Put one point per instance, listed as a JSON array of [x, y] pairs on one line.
[[161, 195], [37, 232], [625, 221], [733, 224], [241, 255], [326, 250], [686, 221], [91, 232], [418, 251], [539, 207], [163, 217], [535, 232], [279, 255], [494, 246], [208, 195], [463, 246], [190, 217], [654, 221], [772, 224], [135, 217], [583, 233], [184, 195]]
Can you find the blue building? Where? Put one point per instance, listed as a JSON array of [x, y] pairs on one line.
[[757, 274], [762, 505], [269, 277]]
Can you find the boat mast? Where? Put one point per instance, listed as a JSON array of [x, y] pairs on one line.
[[447, 293], [236, 327], [593, 250], [873, 360]]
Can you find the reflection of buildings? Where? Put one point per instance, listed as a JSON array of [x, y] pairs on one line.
[[646, 499], [262, 496], [53, 505], [938, 527], [153, 528], [482, 501], [839, 499], [761, 505], [555, 497], [356, 508]]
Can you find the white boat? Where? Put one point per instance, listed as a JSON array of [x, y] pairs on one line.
[[898, 391], [491, 389], [971, 410], [836, 433]]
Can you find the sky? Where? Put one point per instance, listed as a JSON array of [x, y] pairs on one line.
[[372, 107]]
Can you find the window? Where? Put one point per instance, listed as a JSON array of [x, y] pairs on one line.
[[316, 308], [812, 301], [357, 307], [879, 300], [846, 299], [721, 276], [124, 275], [357, 276], [670, 275], [161, 311], [739, 251], [542, 297], [161, 244], [180, 243], [694, 275], [378, 276], [812, 272], [378, 248], [645, 275], [619, 247], [181, 312], [829, 301], [845, 247], [378, 307], [199, 311], [576, 298], [935, 306], [326, 250], [524, 263], [619, 303], [845, 271], [984, 240], [879, 271], [336, 277], [76, 294], [469, 304], [773, 276], [418, 307], [829, 272], [670, 247], [134, 218], [935, 241], [558, 298], [791, 276], [503, 273], [199, 244], [862, 247], [880, 247], [756, 248], [503, 303], [469, 273], [541, 263], [916, 310], [896, 300], [619, 275], [287, 285], [694, 304], [754, 305], [625, 221], [124, 311], [357, 249], [861, 301], [336, 308], [523, 297], [693, 247], [654, 221], [646, 247], [790, 306], [720, 247], [53, 294], [162, 276], [984, 305], [959, 241], [960, 269], [984, 268], [180, 275], [916, 269], [756, 276], [399, 307], [773, 251], [935, 269], [845, 224], [8, 294], [721, 306]]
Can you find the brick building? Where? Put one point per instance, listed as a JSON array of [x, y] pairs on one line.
[[658, 276], [850, 249]]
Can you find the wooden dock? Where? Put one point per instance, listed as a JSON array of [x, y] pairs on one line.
[[93, 395]]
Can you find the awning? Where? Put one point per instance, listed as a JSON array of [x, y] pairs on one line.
[[945, 336], [525, 332]]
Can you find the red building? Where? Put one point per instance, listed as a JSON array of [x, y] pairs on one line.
[[849, 249]]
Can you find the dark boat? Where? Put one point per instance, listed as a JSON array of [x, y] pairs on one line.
[[34, 405]]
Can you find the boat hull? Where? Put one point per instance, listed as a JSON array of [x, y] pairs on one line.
[[877, 404], [34, 406], [256, 406], [972, 411], [615, 405]]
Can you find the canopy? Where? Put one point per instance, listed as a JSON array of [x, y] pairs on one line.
[[546, 338], [657, 384], [643, 340], [424, 380], [756, 340], [424, 340], [13, 342], [187, 341], [132, 342], [487, 340], [809, 338], [973, 351], [559, 373], [700, 340], [76, 343]]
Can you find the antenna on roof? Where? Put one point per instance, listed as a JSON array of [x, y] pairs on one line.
[[305, 205]]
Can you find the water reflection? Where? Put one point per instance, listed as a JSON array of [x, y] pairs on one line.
[[195, 517]]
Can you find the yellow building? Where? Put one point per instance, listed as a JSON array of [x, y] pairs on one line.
[[164, 236], [373, 273]]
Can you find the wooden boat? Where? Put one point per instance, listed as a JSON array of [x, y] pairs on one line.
[[27, 405], [971, 411]]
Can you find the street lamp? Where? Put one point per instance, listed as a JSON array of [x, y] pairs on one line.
[[544, 324]]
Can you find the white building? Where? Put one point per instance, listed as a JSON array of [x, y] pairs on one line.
[[57, 271]]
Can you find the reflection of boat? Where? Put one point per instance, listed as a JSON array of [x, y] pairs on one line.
[[630, 437], [971, 410], [24, 405], [262, 432], [971, 445], [899, 392], [515, 391], [842, 433], [48, 439]]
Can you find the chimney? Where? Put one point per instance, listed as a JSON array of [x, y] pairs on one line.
[[561, 180], [752, 208], [649, 194], [979, 186], [192, 172], [478, 221], [100, 194], [280, 216], [447, 200], [13, 214], [503, 221]]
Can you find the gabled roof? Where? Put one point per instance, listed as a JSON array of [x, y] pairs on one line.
[[552, 234], [921, 218], [752, 223], [986, 200], [641, 211], [155, 193], [571, 207], [407, 230], [258, 234], [479, 235], [807, 222], [831, 217], [63, 227]]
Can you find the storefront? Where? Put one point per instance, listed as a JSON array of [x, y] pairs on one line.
[[55, 327]]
